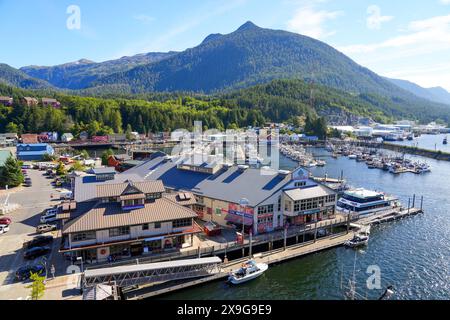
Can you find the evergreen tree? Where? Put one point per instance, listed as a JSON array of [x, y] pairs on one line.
[[11, 173], [12, 128]]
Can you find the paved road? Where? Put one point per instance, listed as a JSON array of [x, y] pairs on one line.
[[33, 201]]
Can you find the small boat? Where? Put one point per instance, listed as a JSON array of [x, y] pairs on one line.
[[445, 141], [320, 163], [249, 270], [358, 240]]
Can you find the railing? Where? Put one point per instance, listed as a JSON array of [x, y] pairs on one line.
[[227, 247]]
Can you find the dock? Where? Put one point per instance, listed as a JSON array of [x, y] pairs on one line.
[[388, 216], [269, 257]]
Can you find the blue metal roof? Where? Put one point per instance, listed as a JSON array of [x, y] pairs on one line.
[[230, 184]]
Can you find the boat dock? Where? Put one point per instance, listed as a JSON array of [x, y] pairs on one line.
[[269, 257], [388, 216]]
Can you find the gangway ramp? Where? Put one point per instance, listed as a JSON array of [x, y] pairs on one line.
[[140, 274]]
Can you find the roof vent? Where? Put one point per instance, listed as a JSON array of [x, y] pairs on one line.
[[283, 172], [243, 167]]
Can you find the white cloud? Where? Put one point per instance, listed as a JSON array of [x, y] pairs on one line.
[[375, 19], [423, 44], [433, 32], [310, 22], [144, 18], [445, 2]]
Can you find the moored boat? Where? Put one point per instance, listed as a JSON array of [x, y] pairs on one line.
[[249, 270], [358, 240]]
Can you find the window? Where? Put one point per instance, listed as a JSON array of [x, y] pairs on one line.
[[300, 184], [145, 226], [182, 223], [152, 196], [84, 236], [287, 205], [120, 231], [157, 225], [265, 209]]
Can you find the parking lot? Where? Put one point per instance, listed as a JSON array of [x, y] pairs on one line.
[[33, 201]]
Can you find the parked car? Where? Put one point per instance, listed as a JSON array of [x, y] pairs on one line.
[[48, 219], [5, 220], [24, 171], [4, 228], [36, 252], [43, 228], [38, 241], [26, 166], [24, 272]]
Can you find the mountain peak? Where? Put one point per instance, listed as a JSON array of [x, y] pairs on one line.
[[248, 26]]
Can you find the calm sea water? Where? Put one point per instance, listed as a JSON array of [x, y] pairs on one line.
[[428, 141], [413, 254]]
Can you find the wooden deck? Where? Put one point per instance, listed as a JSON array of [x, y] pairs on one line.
[[270, 257], [390, 215]]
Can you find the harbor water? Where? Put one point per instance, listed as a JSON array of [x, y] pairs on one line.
[[432, 142], [413, 254]]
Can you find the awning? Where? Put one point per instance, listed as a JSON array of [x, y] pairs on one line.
[[238, 219], [153, 239]]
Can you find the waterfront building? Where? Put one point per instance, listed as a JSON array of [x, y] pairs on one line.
[[274, 197], [120, 220], [29, 138], [31, 152], [8, 139]]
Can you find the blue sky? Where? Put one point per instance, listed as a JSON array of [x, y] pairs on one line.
[[403, 39]]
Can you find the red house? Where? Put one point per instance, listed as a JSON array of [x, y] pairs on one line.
[[100, 139]]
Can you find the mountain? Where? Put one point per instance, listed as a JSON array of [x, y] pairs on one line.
[[252, 55], [17, 78], [80, 74], [436, 94]]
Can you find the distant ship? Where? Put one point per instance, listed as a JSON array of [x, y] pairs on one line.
[[445, 141]]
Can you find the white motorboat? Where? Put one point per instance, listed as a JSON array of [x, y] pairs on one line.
[[249, 270], [358, 240]]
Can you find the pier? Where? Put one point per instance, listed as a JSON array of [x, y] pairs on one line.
[[388, 216], [269, 257]]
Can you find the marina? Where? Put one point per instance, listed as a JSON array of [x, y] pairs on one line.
[[320, 275]]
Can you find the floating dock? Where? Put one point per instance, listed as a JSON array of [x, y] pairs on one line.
[[270, 257], [388, 216]]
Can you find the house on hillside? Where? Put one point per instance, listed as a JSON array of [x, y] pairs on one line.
[[51, 102], [6, 101], [67, 137], [30, 102], [29, 138]]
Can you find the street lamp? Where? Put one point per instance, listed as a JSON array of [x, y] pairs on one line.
[[243, 203], [80, 259]]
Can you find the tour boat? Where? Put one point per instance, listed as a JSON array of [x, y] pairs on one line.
[[362, 202], [358, 240], [249, 270]]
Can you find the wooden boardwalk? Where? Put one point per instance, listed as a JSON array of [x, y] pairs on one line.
[[390, 215], [270, 257]]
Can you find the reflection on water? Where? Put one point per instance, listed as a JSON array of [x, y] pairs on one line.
[[413, 254]]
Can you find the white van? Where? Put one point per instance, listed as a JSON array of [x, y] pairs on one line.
[[48, 218], [65, 195]]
